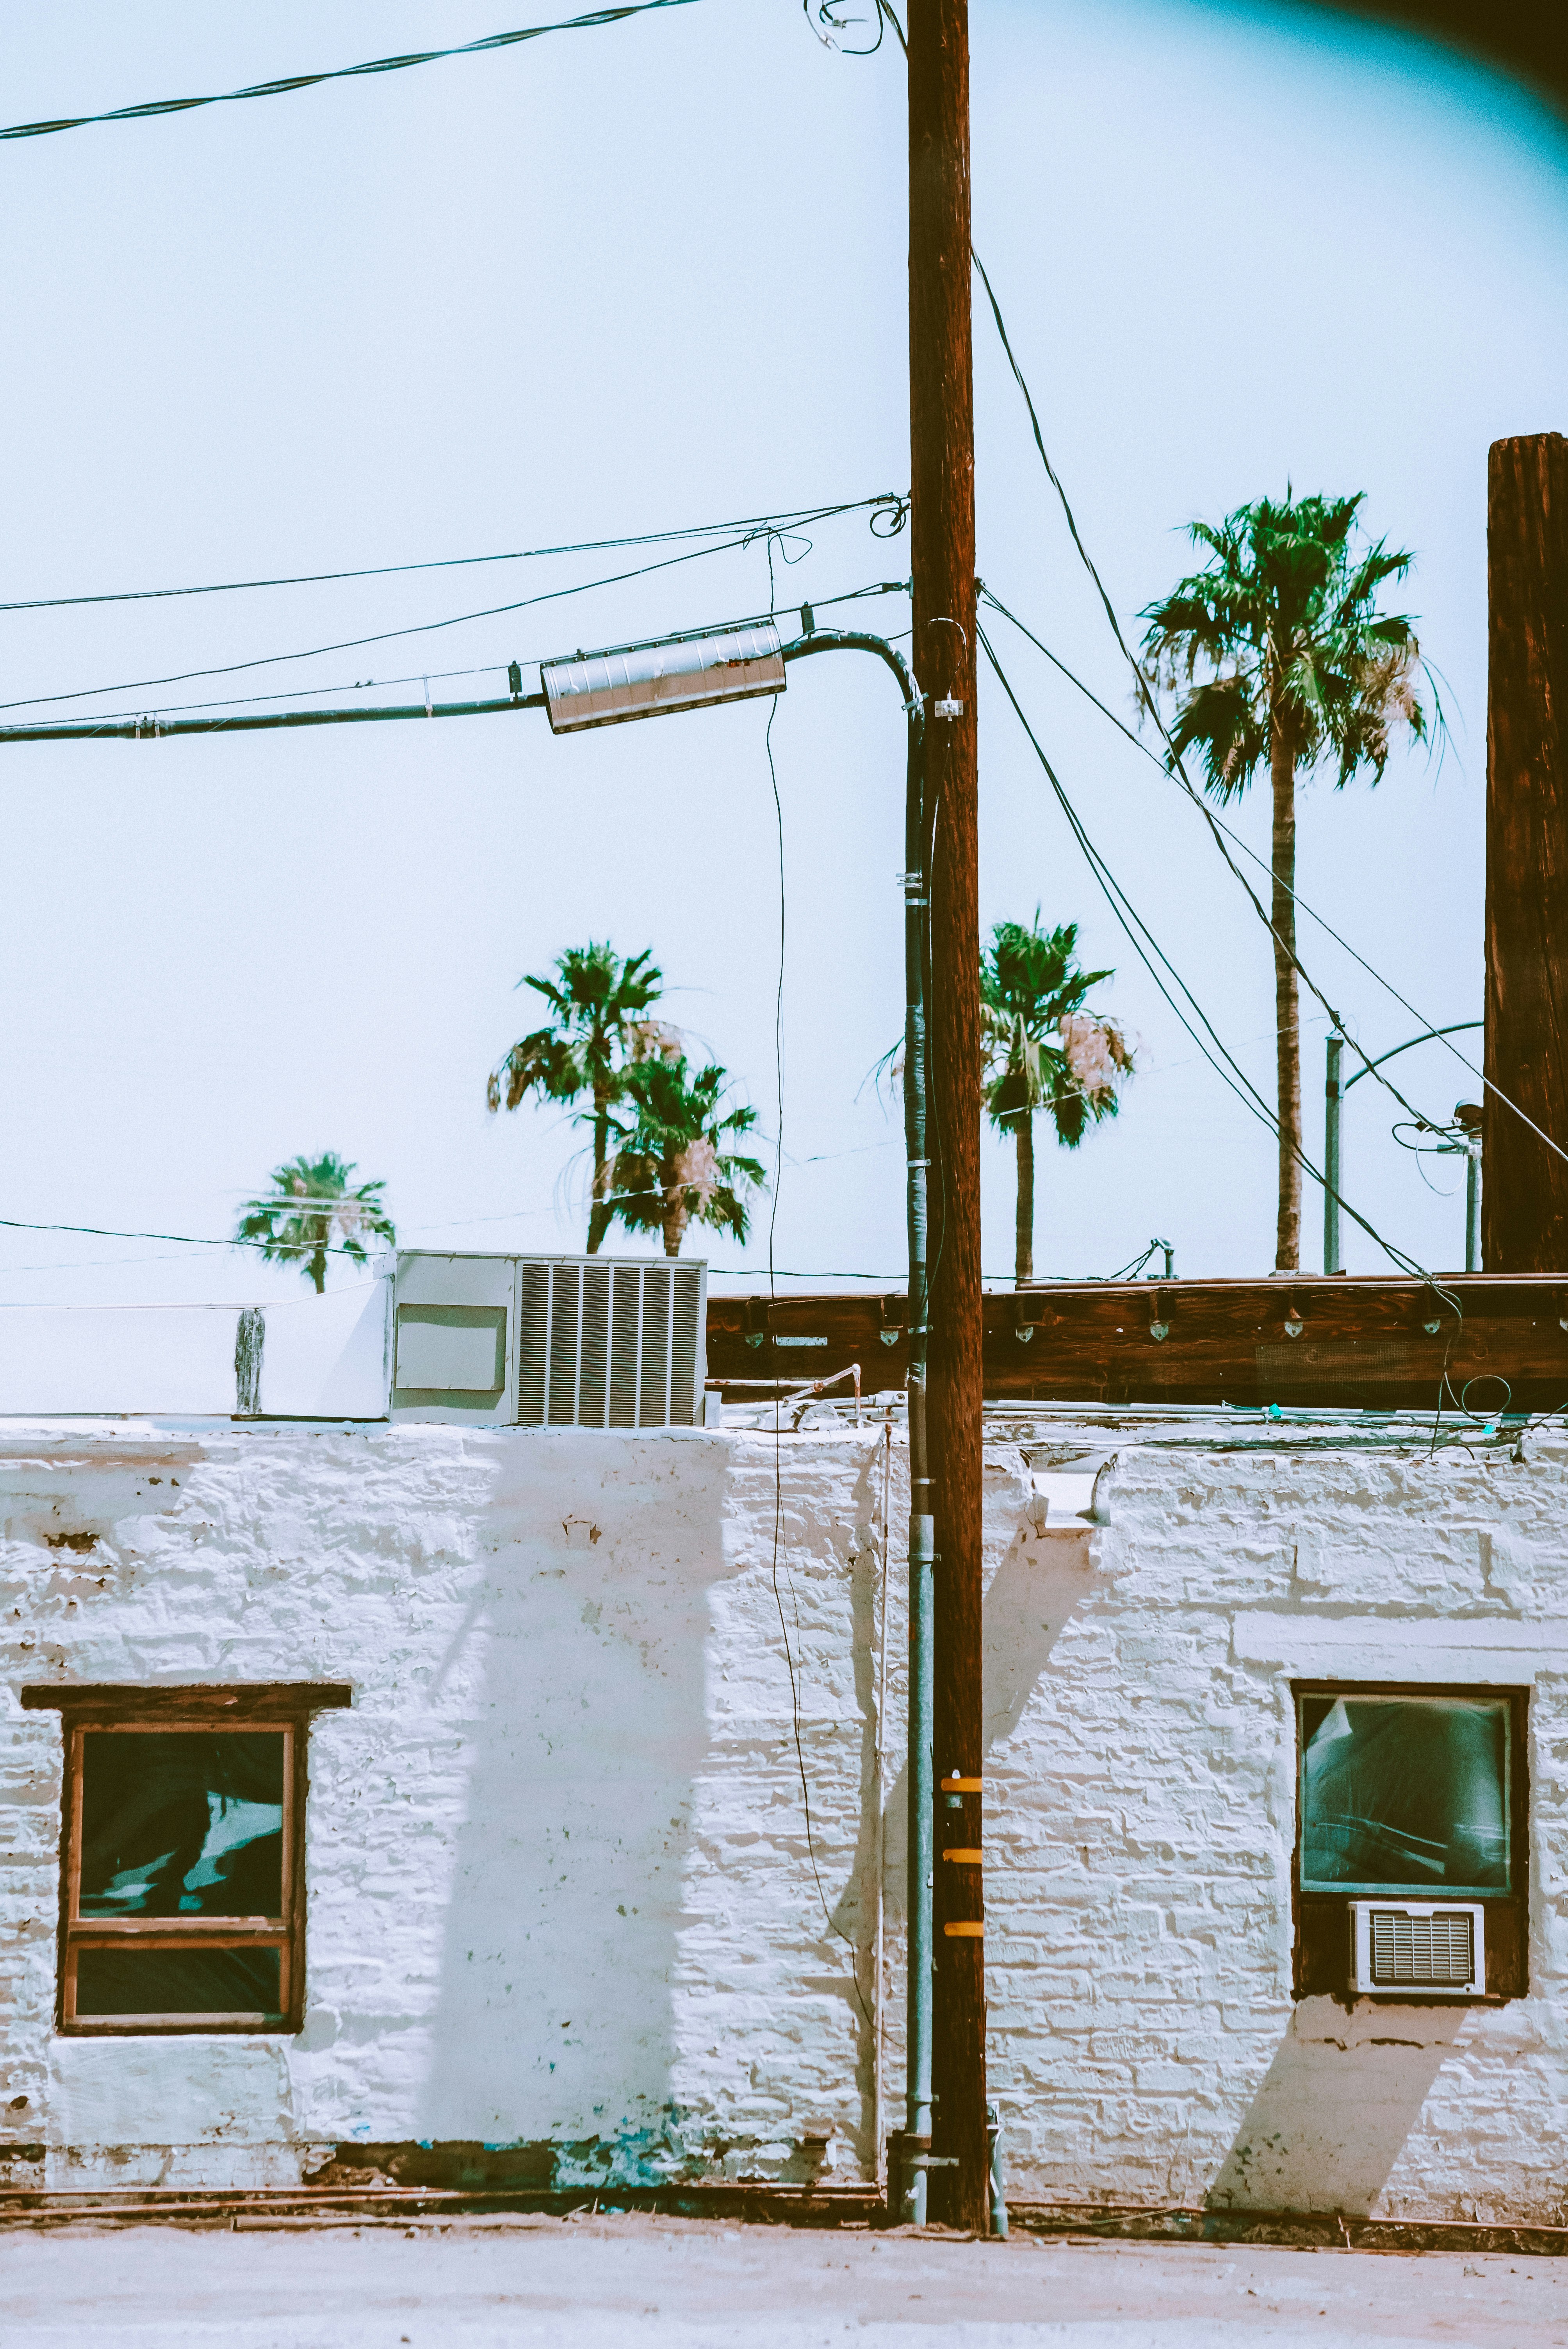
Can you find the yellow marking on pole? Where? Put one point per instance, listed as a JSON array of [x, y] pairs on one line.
[[966, 1932]]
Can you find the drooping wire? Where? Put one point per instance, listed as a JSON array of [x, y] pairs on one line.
[[819, 13], [1178, 771], [1222, 834], [289, 83], [1151, 954], [799, 518], [425, 676], [384, 636], [365, 684], [184, 1239]]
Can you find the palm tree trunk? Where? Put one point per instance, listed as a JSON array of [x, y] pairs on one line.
[[599, 1211], [1023, 1241], [1287, 1007], [674, 1219], [318, 1271]]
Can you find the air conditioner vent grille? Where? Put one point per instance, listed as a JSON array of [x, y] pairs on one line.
[[1436, 1949]]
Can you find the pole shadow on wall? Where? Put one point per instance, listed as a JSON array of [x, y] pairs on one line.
[[1042, 1580]]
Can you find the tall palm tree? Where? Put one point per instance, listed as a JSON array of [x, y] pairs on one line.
[[1277, 654], [1043, 1051], [311, 1210], [598, 1027], [677, 1164]]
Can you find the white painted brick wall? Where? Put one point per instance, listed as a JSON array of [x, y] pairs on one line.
[[560, 1885]]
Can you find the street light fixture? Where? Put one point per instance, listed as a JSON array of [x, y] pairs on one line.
[[663, 674]]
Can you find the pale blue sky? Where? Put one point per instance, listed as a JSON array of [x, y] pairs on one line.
[[651, 275]]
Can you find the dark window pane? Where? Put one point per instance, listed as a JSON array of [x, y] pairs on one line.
[[178, 1982], [1405, 1795], [182, 1823]]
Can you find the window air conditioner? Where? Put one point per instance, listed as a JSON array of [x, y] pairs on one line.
[[550, 1341], [1429, 1949]]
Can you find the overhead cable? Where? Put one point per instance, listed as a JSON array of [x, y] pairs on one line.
[[283, 87], [1178, 772], [1222, 834], [307, 1206], [799, 518], [165, 718], [1149, 951], [384, 636]]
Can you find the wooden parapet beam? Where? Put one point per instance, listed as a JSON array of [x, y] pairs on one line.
[[1344, 1343]]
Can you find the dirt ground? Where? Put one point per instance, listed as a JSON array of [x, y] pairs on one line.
[[596, 2284]]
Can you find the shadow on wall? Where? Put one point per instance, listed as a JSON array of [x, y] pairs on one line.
[[1340, 2098], [581, 1706], [1042, 1579]]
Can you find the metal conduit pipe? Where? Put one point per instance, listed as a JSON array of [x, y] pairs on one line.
[[914, 2148]]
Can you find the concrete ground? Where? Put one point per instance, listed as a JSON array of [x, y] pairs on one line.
[[654, 2283]]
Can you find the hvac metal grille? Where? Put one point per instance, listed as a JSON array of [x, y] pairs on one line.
[[608, 1345], [1436, 1950]]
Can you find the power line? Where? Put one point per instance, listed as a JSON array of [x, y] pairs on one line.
[[291, 82], [424, 627], [386, 636], [164, 718], [184, 1239], [800, 518], [1232, 1073], [1177, 769], [1370, 1067]]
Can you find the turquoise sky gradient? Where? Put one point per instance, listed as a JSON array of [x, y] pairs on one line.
[[655, 275]]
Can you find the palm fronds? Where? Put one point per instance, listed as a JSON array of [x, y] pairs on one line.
[[311, 1212]]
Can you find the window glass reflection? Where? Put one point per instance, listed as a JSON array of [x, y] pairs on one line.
[[181, 1822], [1405, 1795]]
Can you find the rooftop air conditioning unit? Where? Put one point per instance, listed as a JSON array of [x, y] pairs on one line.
[[1428, 1949], [550, 1341]]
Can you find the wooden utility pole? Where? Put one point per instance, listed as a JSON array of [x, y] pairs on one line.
[[1524, 1194], [942, 473]]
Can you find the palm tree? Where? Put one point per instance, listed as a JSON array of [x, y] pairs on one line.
[[1277, 653], [294, 1230], [675, 1165], [1042, 1050], [598, 1028]]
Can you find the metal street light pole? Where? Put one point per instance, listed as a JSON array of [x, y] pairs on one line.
[[1335, 1095], [1334, 1187]]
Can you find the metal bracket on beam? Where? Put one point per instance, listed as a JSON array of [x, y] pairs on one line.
[[1027, 1317]]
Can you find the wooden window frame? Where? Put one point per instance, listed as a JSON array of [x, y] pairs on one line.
[[1321, 1965], [283, 1708]]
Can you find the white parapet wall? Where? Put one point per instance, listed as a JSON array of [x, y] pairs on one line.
[[565, 1921]]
